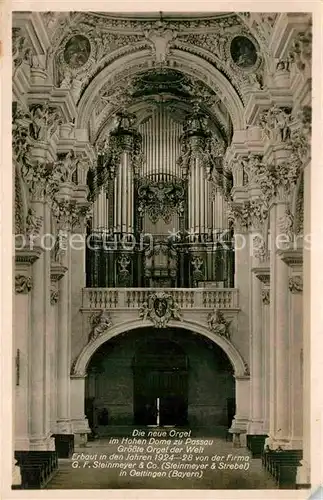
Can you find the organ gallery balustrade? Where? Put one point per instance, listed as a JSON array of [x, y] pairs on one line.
[[186, 298]]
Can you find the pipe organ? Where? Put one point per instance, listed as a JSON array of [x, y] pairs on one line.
[[159, 219]]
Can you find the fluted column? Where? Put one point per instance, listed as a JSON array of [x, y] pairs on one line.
[[256, 349], [79, 423], [279, 337], [304, 471], [296, 360], [22, 303], [266, 356], [39, 345], [63, 353]]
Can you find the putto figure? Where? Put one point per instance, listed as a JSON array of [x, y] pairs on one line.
[[100, 322]]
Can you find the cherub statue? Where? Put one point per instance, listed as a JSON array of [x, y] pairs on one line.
[[218, 324], [100, 323]]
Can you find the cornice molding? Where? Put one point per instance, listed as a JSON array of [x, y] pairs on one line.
[[57, 271], [28, 255], [262, 273], [293, 258]]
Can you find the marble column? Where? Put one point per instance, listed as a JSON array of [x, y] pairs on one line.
[[266, 355], [256, 349], [39, 404], [296, 361], [79, 423], [57, 271], [262, 272], [63, 353], [304, 471], [280, 424]]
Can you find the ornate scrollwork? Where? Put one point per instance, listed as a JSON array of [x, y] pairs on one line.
[[45, 121], [265, 295], [31, 131], [19, 206], [160, 37], [99, 322], [160, 200], [248, 214], [276, 123], [295, 284], [253, 166], [218, 324], [54, 294], [301, 50], [246, 370], [21, 49], [197, 142], [23, 283], [68, 213], [123, 138], [160, 308]]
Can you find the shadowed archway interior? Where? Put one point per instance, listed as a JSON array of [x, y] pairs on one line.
[[189, 380]]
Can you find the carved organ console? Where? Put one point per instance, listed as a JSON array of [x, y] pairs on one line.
[[159, 217]]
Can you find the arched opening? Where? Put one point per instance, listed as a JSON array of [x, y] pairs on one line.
[[160, 376], [184, 375]]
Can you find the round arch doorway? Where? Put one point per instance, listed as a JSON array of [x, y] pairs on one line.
[[190, 375], [160, 376]]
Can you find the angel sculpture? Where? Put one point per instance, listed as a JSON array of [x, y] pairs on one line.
[[100, 323], [33, 222], [218, 324], [144, 311]]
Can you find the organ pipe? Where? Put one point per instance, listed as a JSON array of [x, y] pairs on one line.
[[161, 145]]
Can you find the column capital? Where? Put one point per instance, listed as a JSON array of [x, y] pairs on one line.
[[69, 213], [27, 255], [249, 214]]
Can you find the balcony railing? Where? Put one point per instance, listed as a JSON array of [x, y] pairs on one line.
[[186, 298]]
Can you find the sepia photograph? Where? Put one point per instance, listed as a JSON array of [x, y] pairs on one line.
[[161, 191]]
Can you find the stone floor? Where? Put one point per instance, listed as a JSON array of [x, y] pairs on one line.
[[87, 476]]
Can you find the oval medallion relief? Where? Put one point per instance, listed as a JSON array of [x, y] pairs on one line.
[[77, 51], [243, 52]]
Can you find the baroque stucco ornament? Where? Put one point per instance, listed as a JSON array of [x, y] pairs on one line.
[[99, 322], [295, 284], [54, 294], [160, 199], [160, 38], [265, 295], [160, 308], [23, 283], [218, 324]]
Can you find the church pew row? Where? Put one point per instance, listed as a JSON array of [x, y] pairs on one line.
[[282, 465], [36, 467]]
